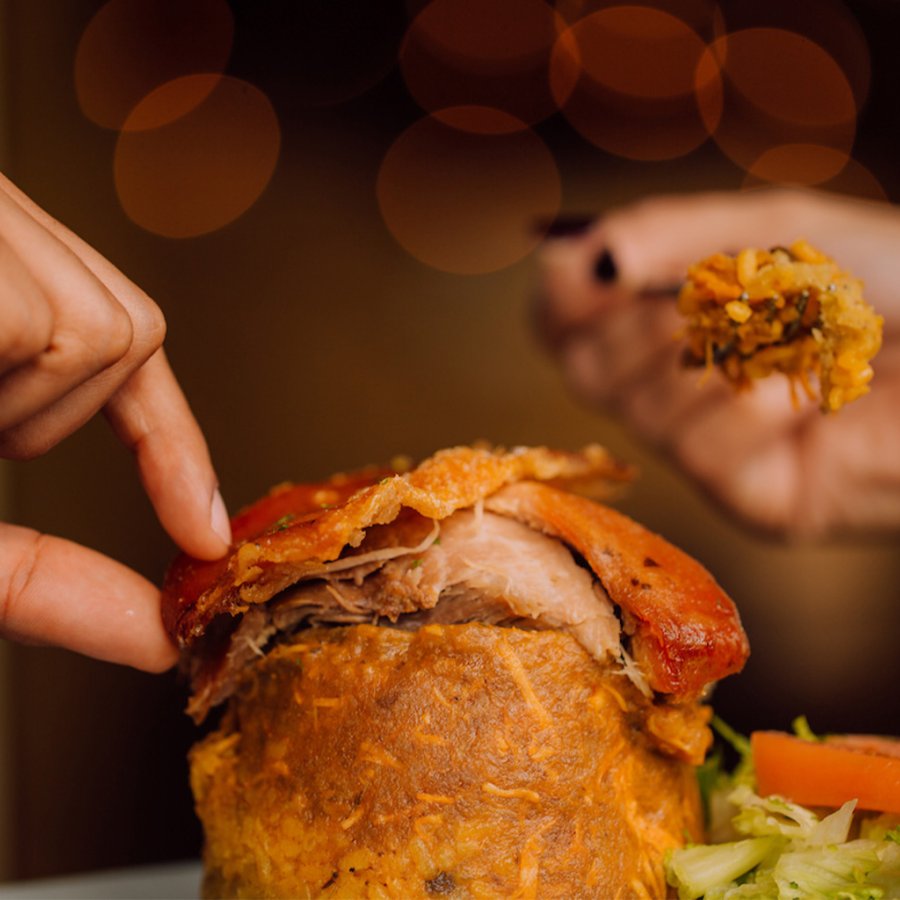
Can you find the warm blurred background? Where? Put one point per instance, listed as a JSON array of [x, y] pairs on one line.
[[333, 202]]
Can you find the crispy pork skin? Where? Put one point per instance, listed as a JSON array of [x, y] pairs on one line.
[[352, 545], [288, 535], [685, 631]]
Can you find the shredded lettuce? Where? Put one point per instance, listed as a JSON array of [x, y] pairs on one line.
[[790, 854], [698, 870], [836, 871], [769, 847], [774, 815]]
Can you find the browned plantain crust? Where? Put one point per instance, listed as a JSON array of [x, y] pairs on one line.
[[465, 760]]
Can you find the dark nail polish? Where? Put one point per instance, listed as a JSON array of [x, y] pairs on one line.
[[565, 226], [605, 268]]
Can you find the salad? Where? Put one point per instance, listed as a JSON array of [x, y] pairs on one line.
[[799, 817]]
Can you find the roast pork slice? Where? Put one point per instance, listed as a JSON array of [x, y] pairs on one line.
[[483, 567]]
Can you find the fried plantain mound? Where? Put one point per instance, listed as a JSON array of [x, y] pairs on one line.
[[461, 760], [789, 310]]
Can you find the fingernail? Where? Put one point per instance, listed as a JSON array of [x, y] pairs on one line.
[[218, 517], [605, 268], [564, 226]]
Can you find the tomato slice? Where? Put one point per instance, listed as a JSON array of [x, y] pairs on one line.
[[828, 773]]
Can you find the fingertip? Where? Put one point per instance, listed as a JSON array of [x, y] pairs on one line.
[[161, 661], [218, 519], [571, 294], [605, 269], [206, 534], [187, 502]]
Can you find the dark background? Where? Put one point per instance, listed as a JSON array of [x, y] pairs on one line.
[[309, 341]]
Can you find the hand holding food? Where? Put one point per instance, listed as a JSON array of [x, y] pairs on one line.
[[607, 311], [464, 677], [76, 337]]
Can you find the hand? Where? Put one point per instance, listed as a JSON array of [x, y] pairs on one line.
[[76, 336], [607, 311]]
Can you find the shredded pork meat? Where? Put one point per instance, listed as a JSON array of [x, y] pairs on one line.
[[482, 567]]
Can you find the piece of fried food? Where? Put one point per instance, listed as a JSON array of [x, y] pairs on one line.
[[790, 310], [459, 760]]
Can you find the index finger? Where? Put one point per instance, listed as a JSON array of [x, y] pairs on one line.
[[151, 416]]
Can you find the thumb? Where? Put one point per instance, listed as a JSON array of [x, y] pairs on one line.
[[55, 592]]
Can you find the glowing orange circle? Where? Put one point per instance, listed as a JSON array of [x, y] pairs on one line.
[[805, 164], [828, 23], [205, 168], [778, 88], [465, 202], [131, 47], [857, 181], [788, 76], [479, 119], [697, 14], [638, 51], [626, 79], [808, 165], [493, 54]]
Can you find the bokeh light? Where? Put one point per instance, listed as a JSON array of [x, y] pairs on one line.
[[491, 54], [465, 202], [204, 169], [626, 79], [480, 119], [638, 51], [778, 88], [131, 47], [807, 165], [856, 180], [799, 164], [699, 15], [828, 23]]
